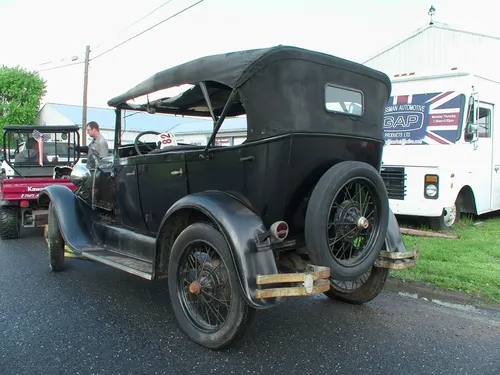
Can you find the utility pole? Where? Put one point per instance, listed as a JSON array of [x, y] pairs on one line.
[[85, 85]]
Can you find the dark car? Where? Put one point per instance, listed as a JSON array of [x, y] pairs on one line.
[[298, 208]]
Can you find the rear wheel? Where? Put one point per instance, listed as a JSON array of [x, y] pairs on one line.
[[10, 223], [204, 288], [361, 290], [55, 241], [346, 219]]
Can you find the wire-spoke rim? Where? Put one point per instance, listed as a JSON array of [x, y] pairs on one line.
[[204, 286], [353, 222]]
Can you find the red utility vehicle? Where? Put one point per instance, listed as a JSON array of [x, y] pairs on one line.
[[34, 157]]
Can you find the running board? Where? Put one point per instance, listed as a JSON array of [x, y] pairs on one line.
[[122, 262]]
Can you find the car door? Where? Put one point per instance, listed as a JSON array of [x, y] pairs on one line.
[[127, 202], [162, 181]]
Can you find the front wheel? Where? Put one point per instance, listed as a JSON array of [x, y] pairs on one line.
[[55, 241], [10, 223], [361, 290], [449, 217], [204, 288]]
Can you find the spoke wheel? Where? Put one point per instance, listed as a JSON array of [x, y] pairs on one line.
[[204, 289], [346, 220], [354, 222]]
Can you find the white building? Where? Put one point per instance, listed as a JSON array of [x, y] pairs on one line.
[[438, 48], [186, 129]]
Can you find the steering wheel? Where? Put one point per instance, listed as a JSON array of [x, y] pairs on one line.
[[136, 141]]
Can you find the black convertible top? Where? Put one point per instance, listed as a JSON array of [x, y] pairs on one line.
[[234, 68], [281, 90]]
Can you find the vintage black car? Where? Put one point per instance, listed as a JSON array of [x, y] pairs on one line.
[[298, 209]]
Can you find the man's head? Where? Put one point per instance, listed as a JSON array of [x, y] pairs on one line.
[[93, 129]]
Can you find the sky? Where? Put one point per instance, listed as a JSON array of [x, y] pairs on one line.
[[43, 34]]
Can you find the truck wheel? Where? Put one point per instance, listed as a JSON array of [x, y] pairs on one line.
[[346, 219], [10, 223], [449, 217], [55, 241], [204, 288], [361, 290]]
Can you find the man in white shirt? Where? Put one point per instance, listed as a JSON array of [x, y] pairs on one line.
[[98, 146]]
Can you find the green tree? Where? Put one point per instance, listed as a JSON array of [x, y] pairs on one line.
[[20, 95]]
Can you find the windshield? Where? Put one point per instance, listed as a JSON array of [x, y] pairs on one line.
[[422, 119], [22, 148]]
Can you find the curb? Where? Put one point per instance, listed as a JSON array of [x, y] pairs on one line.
[[430, 292]]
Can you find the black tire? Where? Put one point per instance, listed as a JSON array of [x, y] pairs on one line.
[[239, 314], [363, 290], [55, 241], [447, 219], [10, 223], [348, 220]]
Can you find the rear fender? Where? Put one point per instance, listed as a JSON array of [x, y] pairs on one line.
[[239, 226], [73, 215], [394, 239]]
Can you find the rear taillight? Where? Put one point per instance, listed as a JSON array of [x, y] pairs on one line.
[[24, 204], [279, 230]]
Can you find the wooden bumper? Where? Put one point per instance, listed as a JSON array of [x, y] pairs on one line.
[[397, 261], [315, 280]]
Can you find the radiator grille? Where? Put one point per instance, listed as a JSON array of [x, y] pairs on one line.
[[395, 182]]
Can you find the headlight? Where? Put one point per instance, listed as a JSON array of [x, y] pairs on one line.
[[431, 186], [431, 190]]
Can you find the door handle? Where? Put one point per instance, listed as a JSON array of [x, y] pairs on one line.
[[130, 173], [496, 169], [175, 173]]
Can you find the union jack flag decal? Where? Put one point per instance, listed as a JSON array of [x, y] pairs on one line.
[[432, 118]]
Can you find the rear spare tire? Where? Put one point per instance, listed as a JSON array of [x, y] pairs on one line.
[[346, 219], [10, 223]]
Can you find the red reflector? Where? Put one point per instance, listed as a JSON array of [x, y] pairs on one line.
[[279, 230], [24, 204]]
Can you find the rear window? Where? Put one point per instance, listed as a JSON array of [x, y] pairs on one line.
[[343, 100]]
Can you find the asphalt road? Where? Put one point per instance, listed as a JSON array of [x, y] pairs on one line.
[[92, 319]]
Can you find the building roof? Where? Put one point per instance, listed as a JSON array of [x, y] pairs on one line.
[[435, 25], [141, 121]]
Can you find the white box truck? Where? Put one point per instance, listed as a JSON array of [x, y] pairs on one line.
[[442, 153]]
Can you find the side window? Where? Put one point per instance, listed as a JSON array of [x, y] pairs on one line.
[[484, 123], [343, 100]]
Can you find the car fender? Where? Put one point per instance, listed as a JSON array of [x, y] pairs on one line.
[[72, 215], [394, 239], [241, 227]]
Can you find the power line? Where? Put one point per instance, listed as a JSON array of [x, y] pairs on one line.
[[60, 66], [140, 19], [124, 29], [149, 28]]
